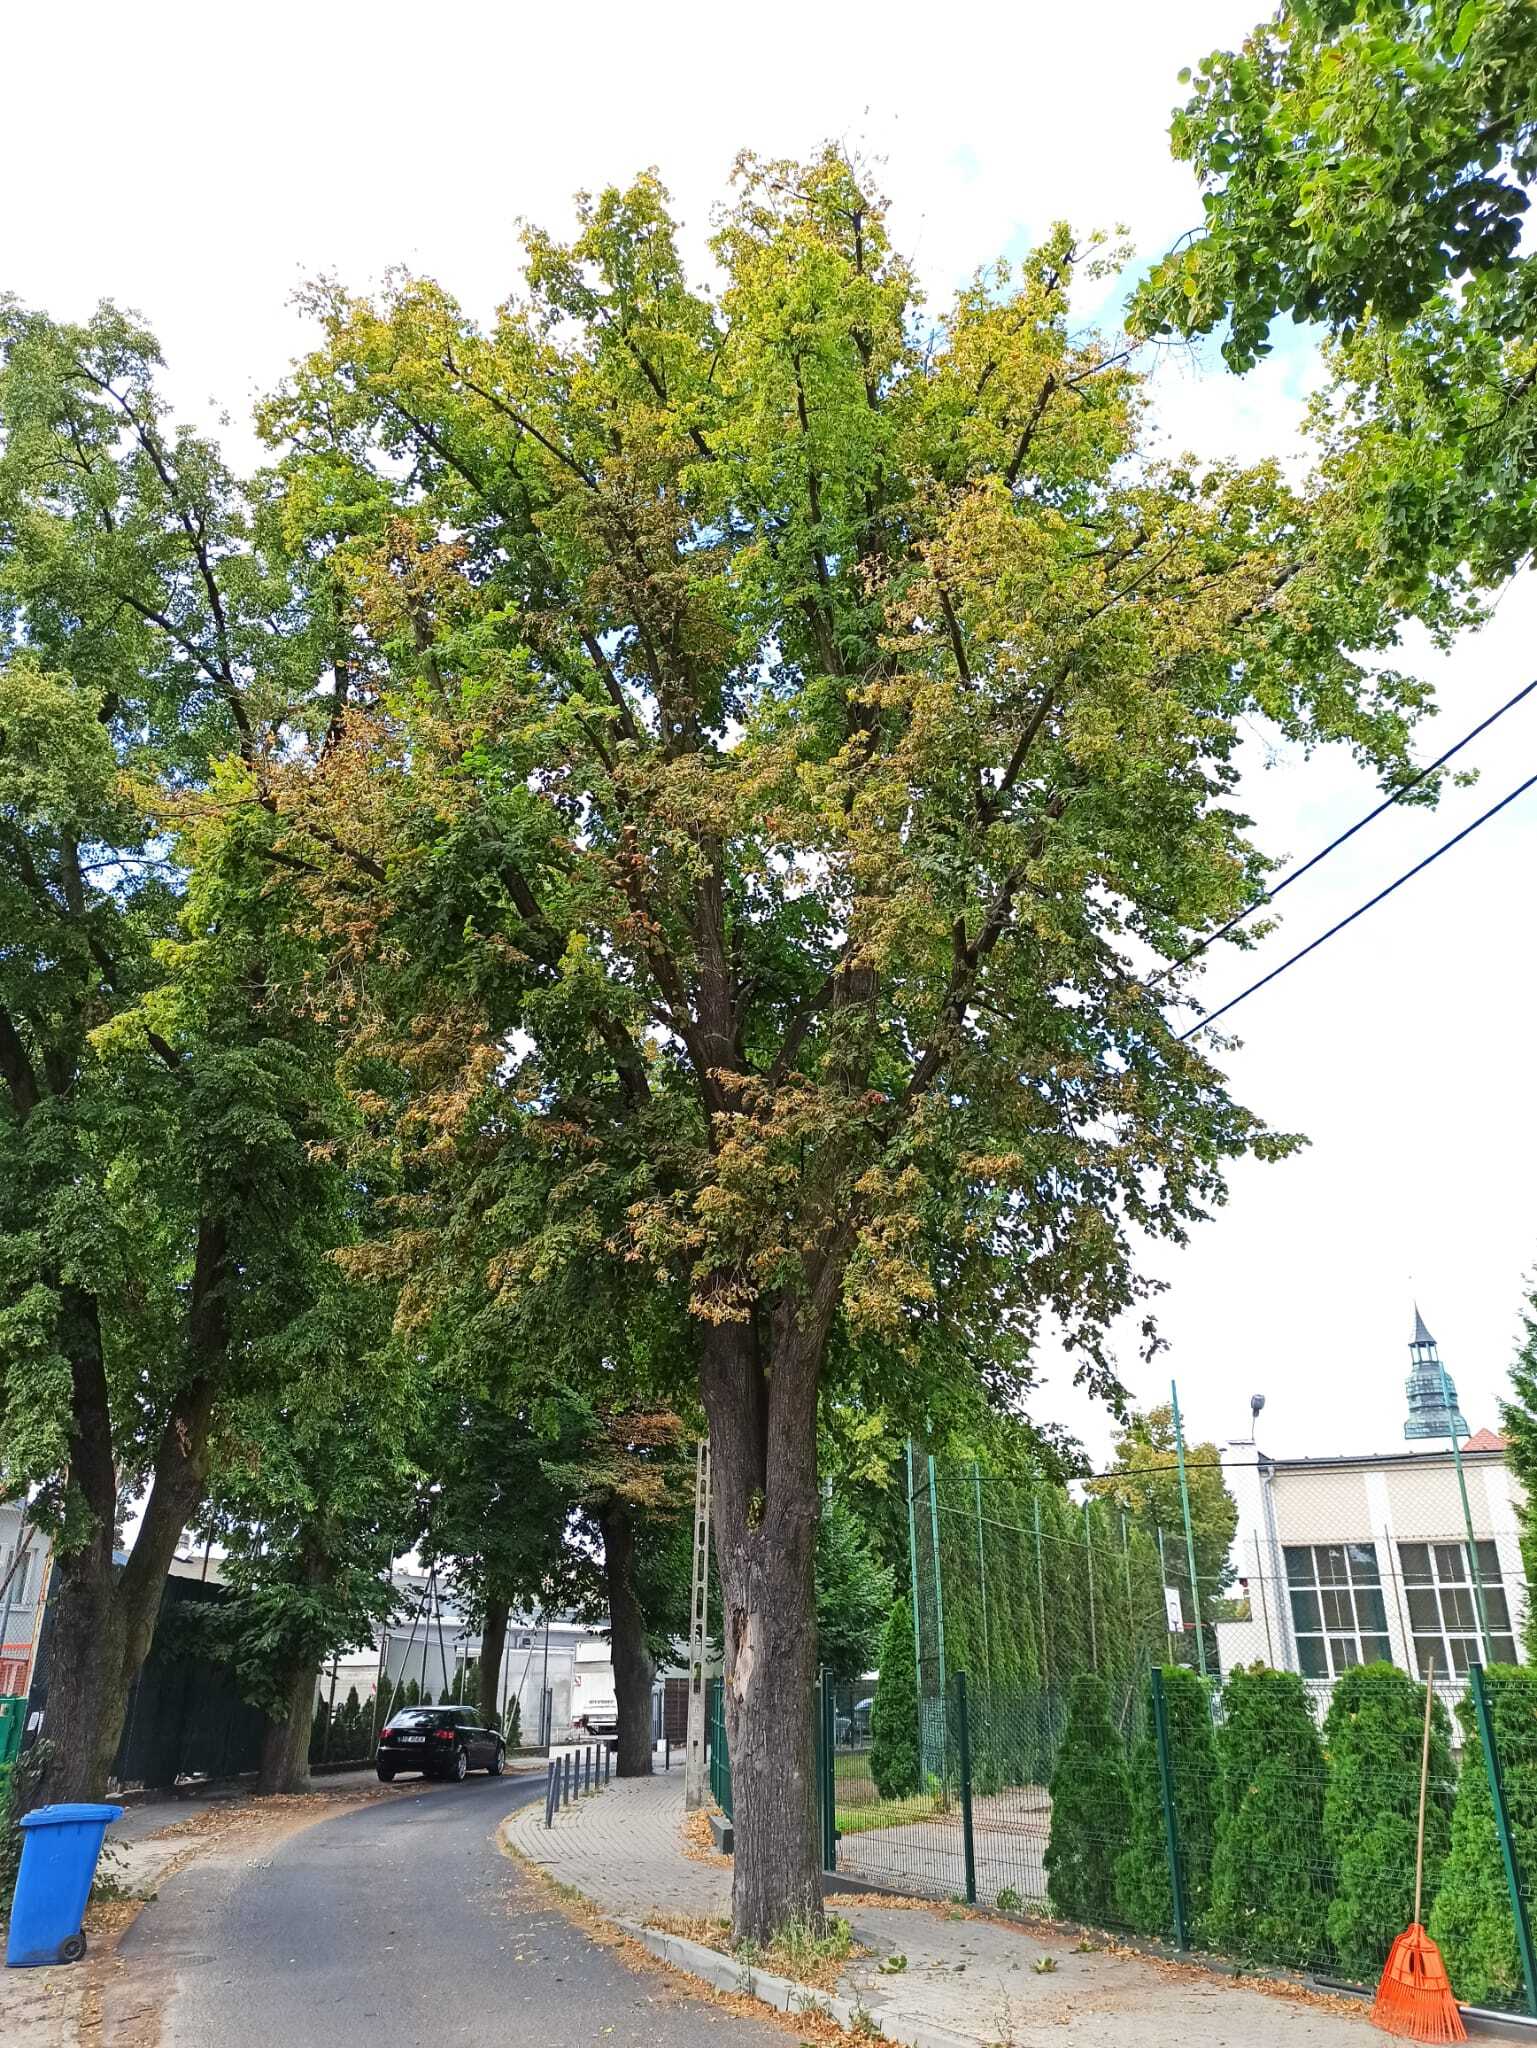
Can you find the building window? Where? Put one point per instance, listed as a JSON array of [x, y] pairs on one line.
[[1338, 1614], [1443, 1606]]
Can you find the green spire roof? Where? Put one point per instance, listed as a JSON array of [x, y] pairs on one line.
[[1433, 1409]]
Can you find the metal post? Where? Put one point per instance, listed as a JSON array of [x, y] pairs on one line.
[[1131, 1612], [696, 1788], [987, 1648], [325, 1741], [828, 1774], [1040, 1591], [1467, 1516], [1170, 1819], [963, 1734], [912, 1556], [569, 1794], [1502, 1826], [1088, 1545], [1184, 1502], [552, 1776], [939, 1584]]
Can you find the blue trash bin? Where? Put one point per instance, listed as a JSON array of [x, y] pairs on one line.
[[60, 1845]]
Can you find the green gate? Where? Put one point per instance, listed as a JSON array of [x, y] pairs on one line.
[[720, 1765]]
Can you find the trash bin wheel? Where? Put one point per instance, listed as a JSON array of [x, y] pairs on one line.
[[72, 1948]]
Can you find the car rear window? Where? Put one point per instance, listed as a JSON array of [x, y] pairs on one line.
[[424, 1717]]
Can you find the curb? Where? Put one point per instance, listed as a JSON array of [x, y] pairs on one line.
[[783, 1994]]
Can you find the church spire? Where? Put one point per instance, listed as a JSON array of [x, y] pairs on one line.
[[1433, 1409]]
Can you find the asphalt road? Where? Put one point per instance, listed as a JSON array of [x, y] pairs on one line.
[[397, 1925]]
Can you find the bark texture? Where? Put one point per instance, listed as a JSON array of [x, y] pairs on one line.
[[285, 1758], [760, 1395], [493, 1647], [634, 1672]]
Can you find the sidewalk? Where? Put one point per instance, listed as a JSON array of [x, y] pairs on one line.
[[950, 1980]]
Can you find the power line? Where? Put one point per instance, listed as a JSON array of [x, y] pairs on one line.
[[1394, 797], [1418, 868]]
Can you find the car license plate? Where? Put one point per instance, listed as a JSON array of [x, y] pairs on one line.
[[413, 1738]]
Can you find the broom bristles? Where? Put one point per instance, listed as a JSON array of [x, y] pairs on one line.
[[1414, 1998]]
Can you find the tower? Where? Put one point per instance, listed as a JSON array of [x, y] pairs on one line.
[[1433, 1409]]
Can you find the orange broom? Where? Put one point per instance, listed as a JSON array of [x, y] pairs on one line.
[[1414, 1998]]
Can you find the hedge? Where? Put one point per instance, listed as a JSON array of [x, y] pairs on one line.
[[894, 1752], [1142, 1891], [1471, 1920], [1268, 1884], [1373, 1735], [1089, 1799]]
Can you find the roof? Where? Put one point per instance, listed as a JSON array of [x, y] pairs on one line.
[[1421, 1334], [1484, 1440]]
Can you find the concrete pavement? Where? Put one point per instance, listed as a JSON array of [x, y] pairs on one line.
[[932, 1976], [398, 1923]]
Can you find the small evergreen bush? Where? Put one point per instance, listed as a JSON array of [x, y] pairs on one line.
[[1471, 1920], [1142, 1889], [1089, 1802], [894, 1755], [1269, 1880], [1373, 1735]]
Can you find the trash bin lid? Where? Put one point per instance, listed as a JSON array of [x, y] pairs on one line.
[[60, 1816]]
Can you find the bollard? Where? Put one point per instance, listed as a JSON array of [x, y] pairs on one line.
[[552, 1776], [666, 1752], [592, 1767], [566, 1765], [608, 1758]]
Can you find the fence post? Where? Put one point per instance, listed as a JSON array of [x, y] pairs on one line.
[[1170, 1819], [1502, 1827], [827, 1774], [963, 1736]]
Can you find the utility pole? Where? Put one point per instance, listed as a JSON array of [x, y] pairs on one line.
[[695, 1776]]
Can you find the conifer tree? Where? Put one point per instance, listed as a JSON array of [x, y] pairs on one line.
[[1268, 1880], [1142, 1891], [1471, 1920], [894, 1750], [1090, 1798], [1373, 1736]]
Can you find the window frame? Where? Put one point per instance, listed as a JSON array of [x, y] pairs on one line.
[[1453, 1635], [1319, 1589]]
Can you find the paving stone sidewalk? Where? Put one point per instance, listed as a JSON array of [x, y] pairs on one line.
[[964, 1983]]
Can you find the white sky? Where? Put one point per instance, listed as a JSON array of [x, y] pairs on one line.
[[198, 162]]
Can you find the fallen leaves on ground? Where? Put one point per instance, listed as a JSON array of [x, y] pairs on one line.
[[698, 1842]]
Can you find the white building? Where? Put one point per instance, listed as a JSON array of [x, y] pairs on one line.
[[1348, 1560], [24, 1565]]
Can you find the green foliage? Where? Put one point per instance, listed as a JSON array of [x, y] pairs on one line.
[[1472, 1919], [1268, 1882], [1145, 1485], [1089, 1802], [18, 1794], [853, 1595], [1373, 1736], [1369, 165], [1143, 1897], [895, 1762], [1519, 1422]]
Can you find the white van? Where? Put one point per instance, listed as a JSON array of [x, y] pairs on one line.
[[594, 1702]]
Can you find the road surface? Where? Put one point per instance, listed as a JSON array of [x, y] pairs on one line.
[[395, 1925]]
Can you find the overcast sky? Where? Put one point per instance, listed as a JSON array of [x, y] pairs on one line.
[[197, 162]]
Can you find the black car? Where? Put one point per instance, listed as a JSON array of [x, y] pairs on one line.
[[440, 1742]]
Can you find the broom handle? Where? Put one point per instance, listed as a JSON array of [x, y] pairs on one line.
[[1419, 1848]]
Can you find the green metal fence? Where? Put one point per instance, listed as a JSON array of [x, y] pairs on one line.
[[1248, 1820], [720, 1764], [719, 1754]]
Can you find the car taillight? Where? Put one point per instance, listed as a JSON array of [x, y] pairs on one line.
[[444, 1734], [386, 1735]]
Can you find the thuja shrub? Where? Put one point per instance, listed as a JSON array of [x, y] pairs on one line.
[[1144, 1895], [1269, 1875], [1373, 1735], [894, 1751], [1471, 1920], [1089, 1802]]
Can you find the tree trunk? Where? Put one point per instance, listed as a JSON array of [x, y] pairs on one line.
[[763, 1472], [104, 1618], [285, 1758], [634, 1672], [493, 1646]]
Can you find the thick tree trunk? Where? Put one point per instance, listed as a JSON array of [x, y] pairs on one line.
[[634, 1672], [493, 1646], [104, 1619], [763, 1470], [285, 1758]]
